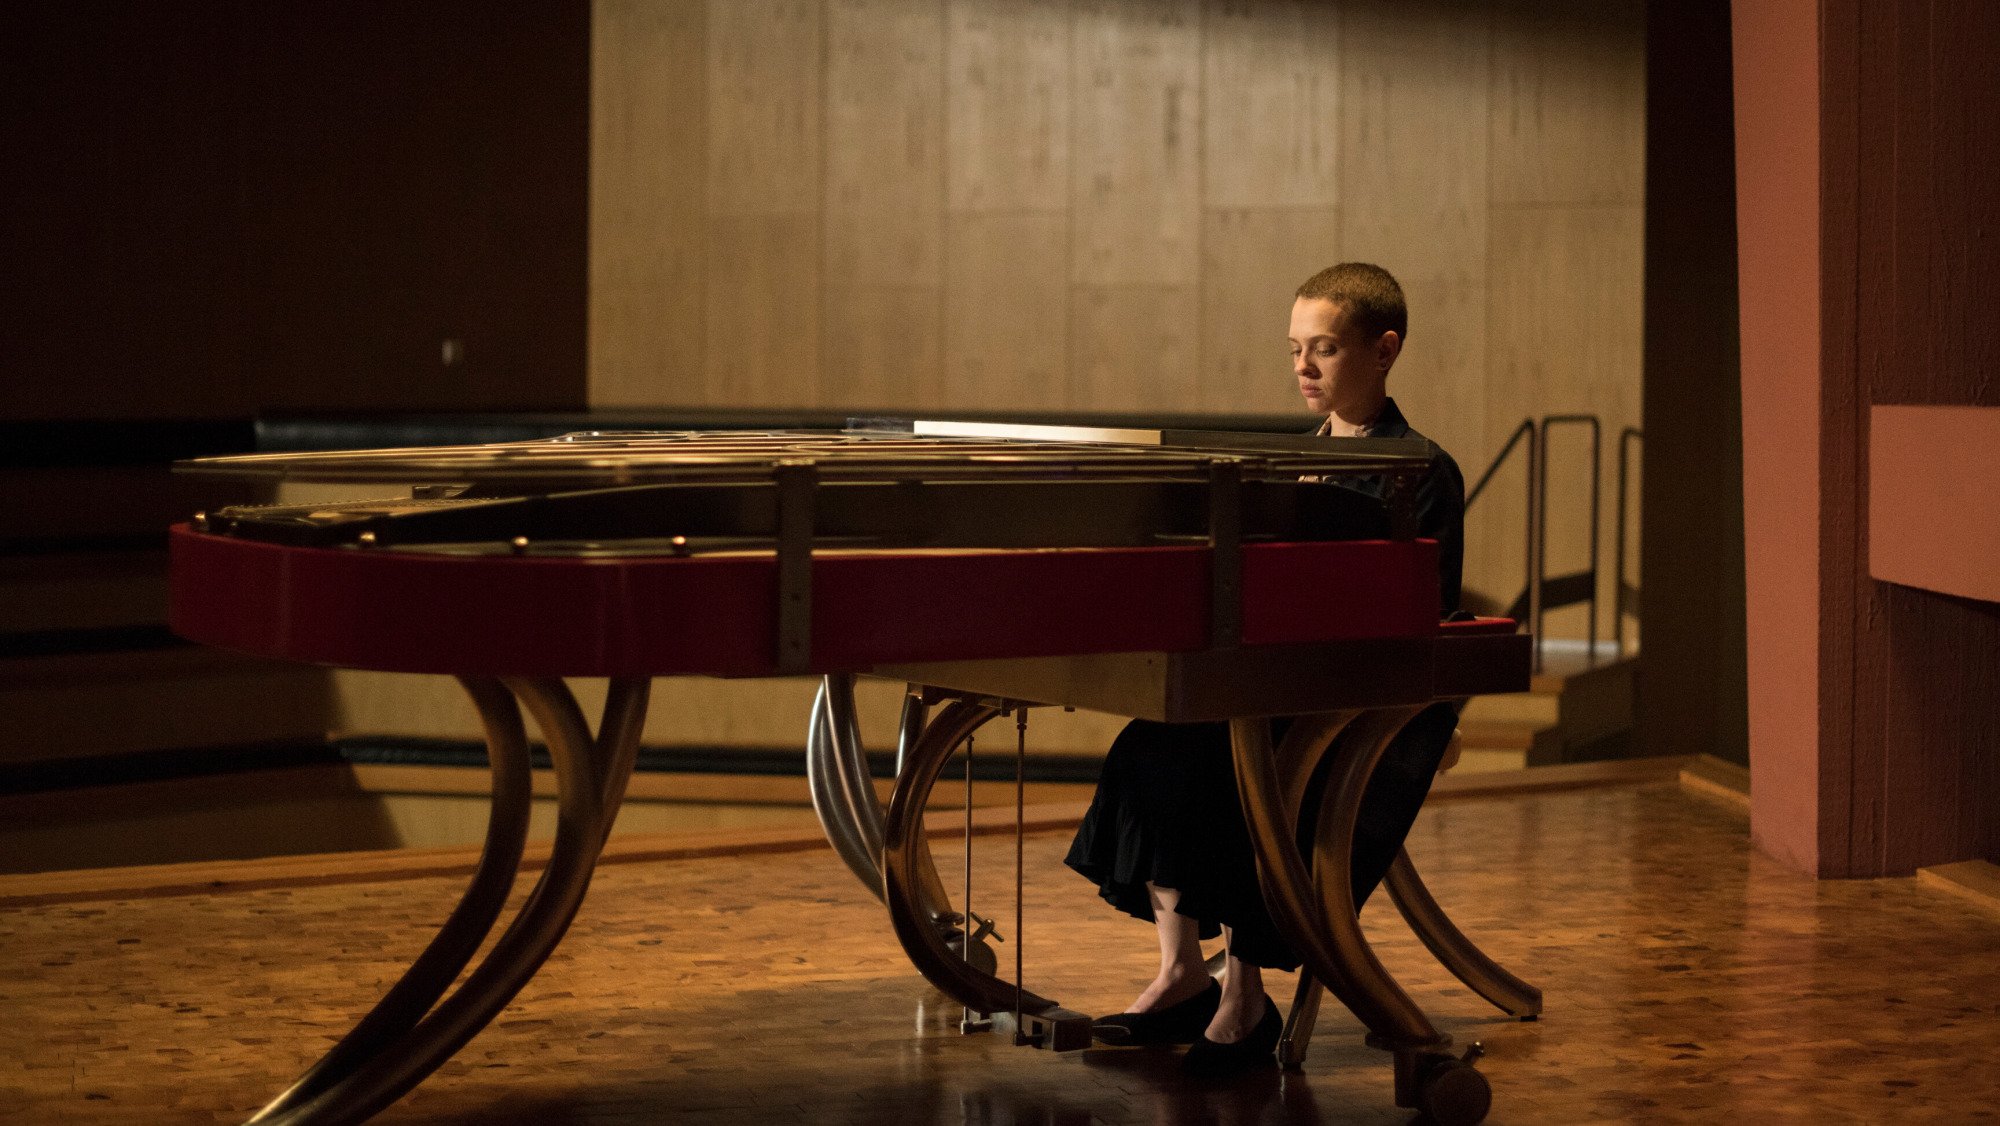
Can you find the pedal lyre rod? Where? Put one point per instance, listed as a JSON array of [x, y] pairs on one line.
[[969, 1021], [1020, 824]]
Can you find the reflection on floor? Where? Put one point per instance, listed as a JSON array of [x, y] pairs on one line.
[[1688, 980]]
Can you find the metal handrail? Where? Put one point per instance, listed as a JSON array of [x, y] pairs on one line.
[[1534, 602], [1626, 438], [1526, 430], [1541, 549]]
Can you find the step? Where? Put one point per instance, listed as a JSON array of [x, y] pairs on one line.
[[1507, 744], [82, 590], [1500, 735], [1541, 709], [1482, 761], [80, 705], [1576, 702]]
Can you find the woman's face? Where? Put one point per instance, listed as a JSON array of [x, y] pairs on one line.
[[1334, 365]]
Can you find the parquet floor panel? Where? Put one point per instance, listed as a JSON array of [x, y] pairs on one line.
[[1687, 980]]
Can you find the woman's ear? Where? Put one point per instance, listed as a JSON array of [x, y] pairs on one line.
[[1387, 347]]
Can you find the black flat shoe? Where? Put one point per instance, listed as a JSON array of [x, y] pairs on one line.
[[1175, 1024], [1209, 1060]]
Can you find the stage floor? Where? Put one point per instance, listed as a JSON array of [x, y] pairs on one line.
[[1687, 980]]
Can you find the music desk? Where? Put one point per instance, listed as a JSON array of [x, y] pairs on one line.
[[1158, 579]]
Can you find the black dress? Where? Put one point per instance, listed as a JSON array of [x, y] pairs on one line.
[[1167, 811]]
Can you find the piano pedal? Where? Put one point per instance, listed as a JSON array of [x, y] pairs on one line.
[[1056, 1029]]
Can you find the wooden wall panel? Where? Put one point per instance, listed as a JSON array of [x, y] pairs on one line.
[[885, 142], [648, 244], [763, 107], [685, 711], [1564, 337], [1135, 161], [883, 271], [1252, 263], [648, 342], [883, 347], [764, 201], [1007, 71], [1413, 124], [1569, 101], [1006, 312], [1269, 103], [1135, 348], [763, 338]]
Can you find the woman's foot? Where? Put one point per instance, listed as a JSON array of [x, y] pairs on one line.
[[1238, 1016], [1252, 1050], [1175, 984], [1178, 1023]]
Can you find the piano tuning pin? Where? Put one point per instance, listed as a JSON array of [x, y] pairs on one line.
[[200, 521], [520, 545], [366, 539]]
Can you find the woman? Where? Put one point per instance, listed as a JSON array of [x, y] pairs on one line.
[[1165, 838]]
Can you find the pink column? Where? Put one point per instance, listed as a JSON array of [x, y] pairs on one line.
[[1777, 73]]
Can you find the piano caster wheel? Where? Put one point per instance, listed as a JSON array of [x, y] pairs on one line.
[[1452, 1092], [984, 959]]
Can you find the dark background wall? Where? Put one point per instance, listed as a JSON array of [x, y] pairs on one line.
[[1691, 695], [210, 208], [215, 208]]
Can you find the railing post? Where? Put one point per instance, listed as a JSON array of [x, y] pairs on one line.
[[1539, 525], [1626, 438], [1596, 489]]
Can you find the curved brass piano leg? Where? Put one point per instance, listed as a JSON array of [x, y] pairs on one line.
[[1297, 756], [835, 820], [1431, 925], [616, 748], [589, 772], [907, 855], [910, 726], [1327, 868], [843, 792], [1324, 928], [850, 762], [467, 926], [937, 901], [1443, 939]]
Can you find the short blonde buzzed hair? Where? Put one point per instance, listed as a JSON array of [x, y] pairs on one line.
[[1369, 294]]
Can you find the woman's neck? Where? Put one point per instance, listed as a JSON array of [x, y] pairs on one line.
[[1350, 419]]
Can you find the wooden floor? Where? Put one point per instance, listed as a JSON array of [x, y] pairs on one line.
[[1687, 980]]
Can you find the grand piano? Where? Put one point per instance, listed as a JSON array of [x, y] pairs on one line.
[[990, 569]]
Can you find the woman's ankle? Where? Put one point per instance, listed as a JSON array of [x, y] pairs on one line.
[[1174, 983], [1236, 1017]]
